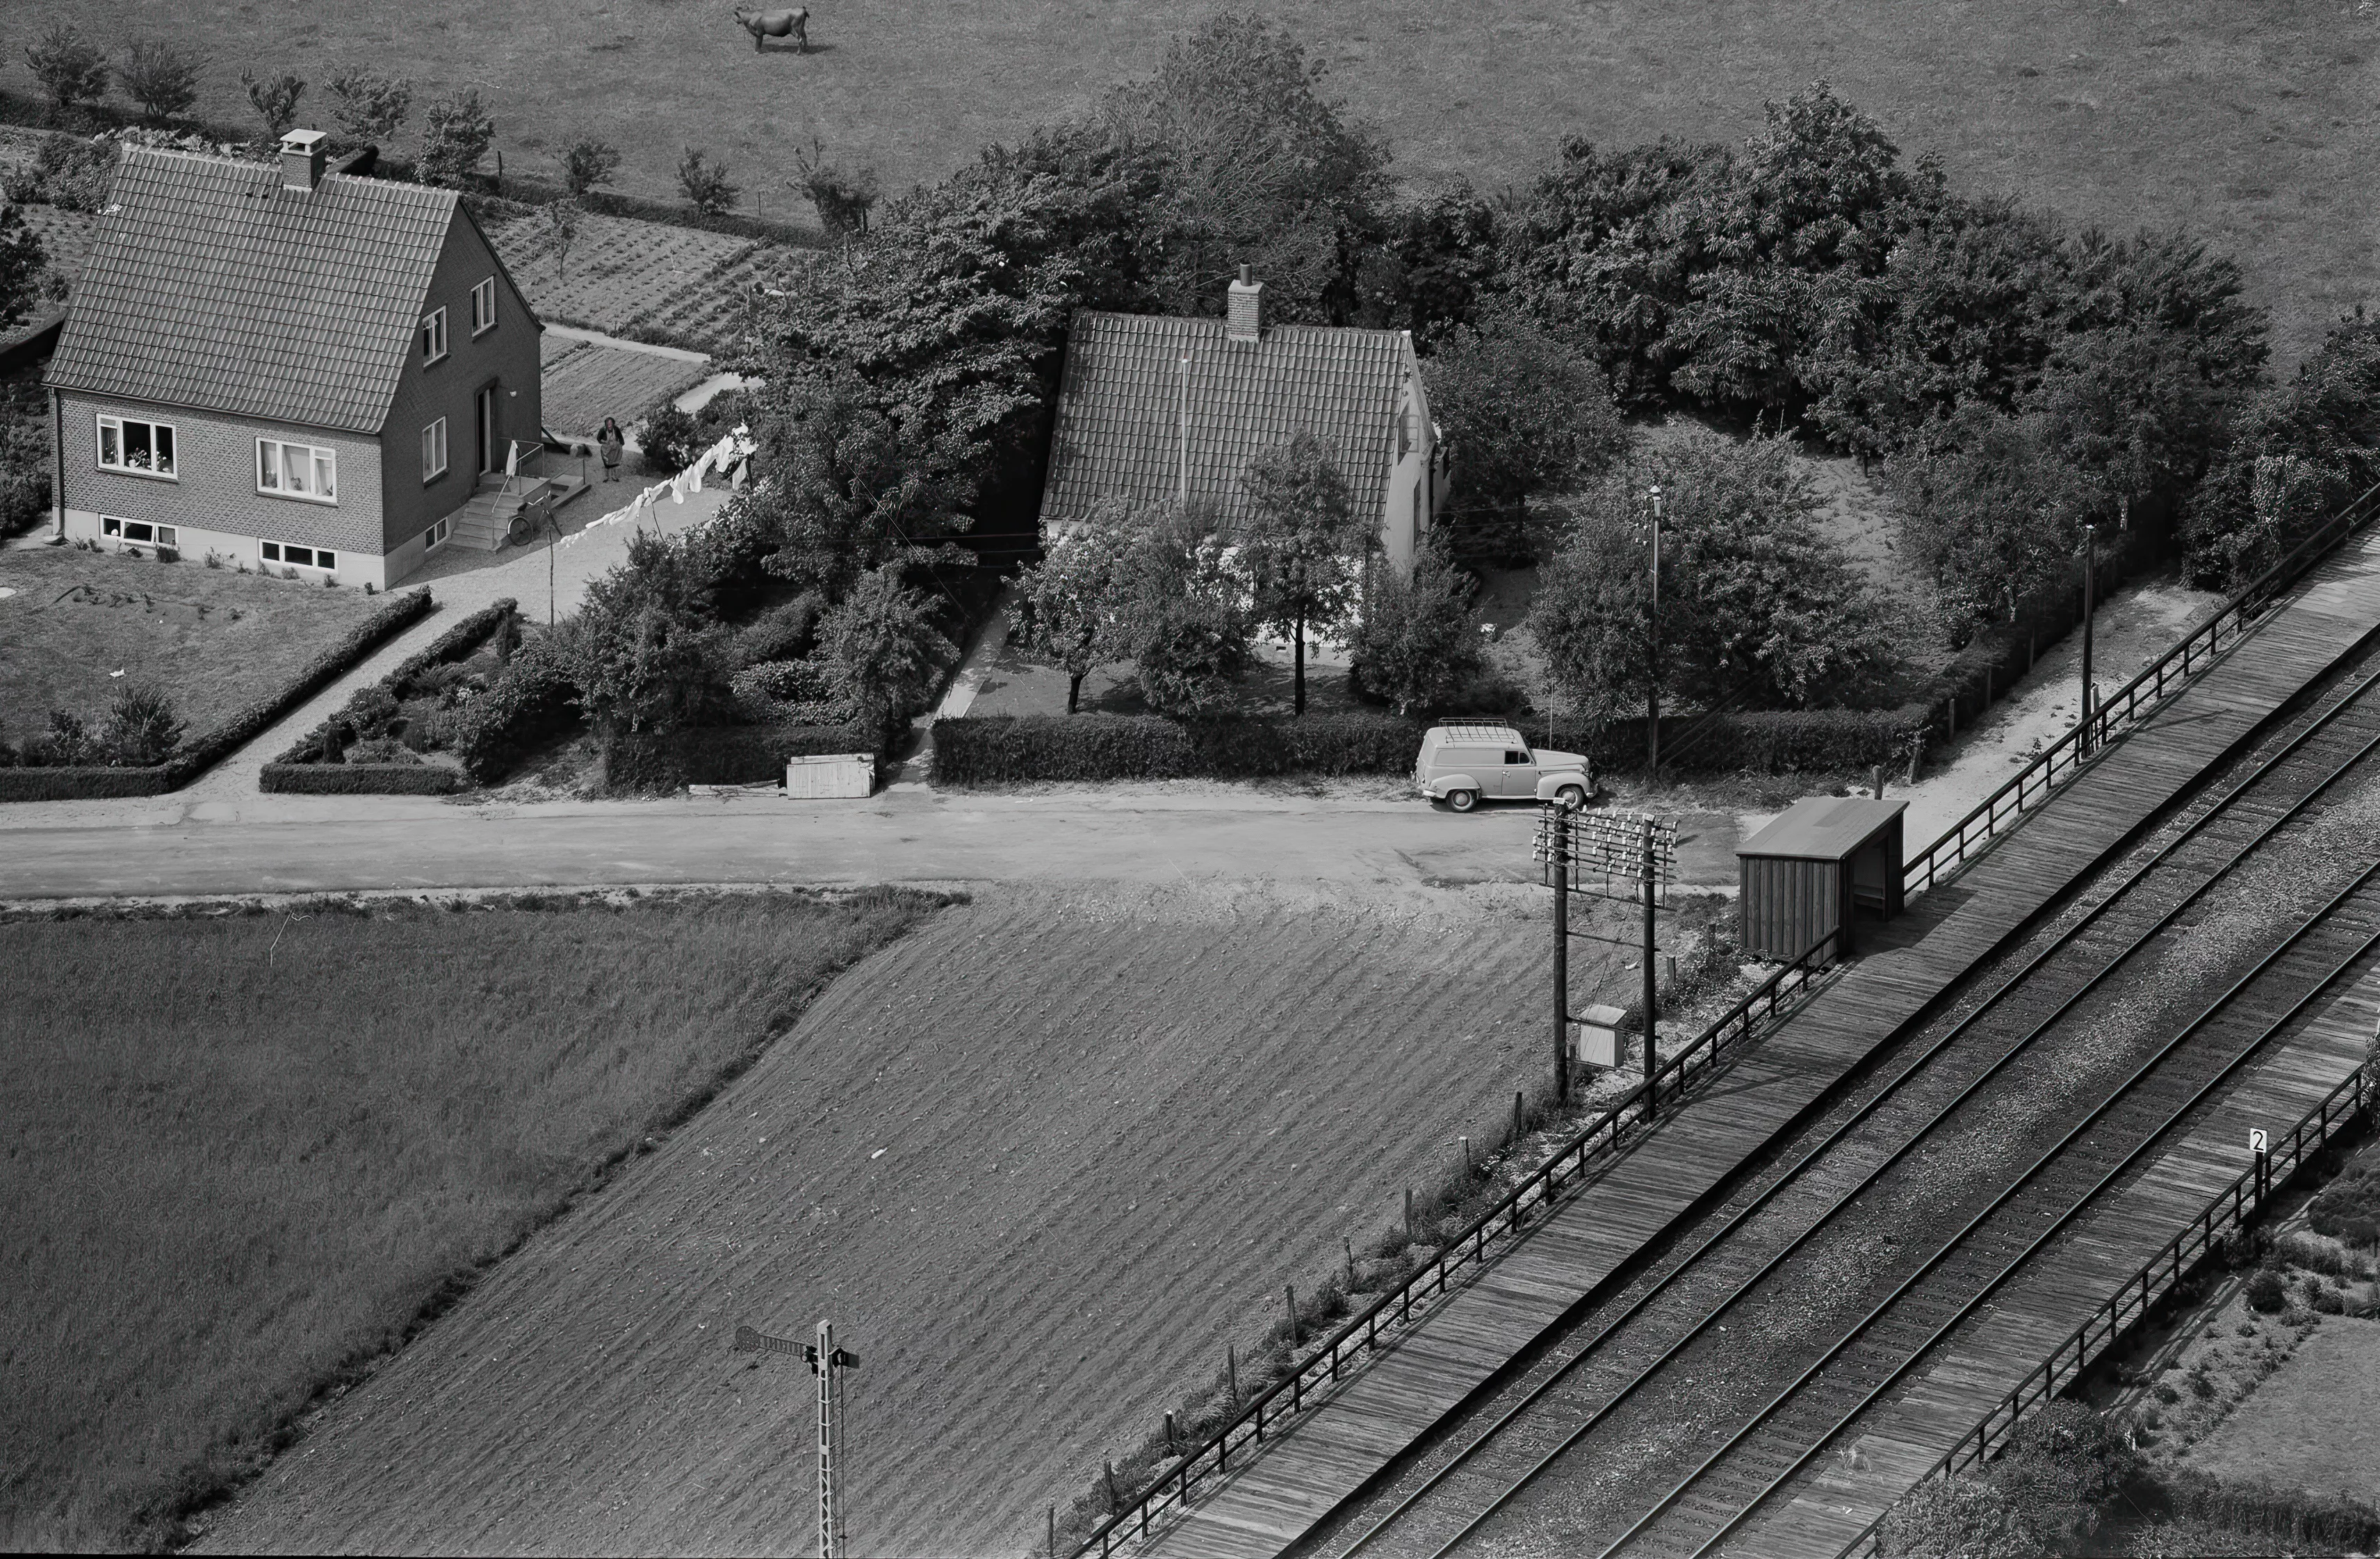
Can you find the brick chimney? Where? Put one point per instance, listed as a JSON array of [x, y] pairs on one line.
[[302, 153], [1244, 319]]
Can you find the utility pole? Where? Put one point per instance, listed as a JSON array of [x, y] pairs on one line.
[[1562, 956], [1653, 656], [827, 1362], [2090, 586], [1652, 886]]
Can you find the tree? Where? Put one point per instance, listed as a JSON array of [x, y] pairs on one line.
[[70, 68], [1076, 607], [884, 648], [705, 183], [162, 79], [1991, 511], [456, 133], [1303, 546], [1756, 604], [648, 651], [587, 163], [1523, 413], [562, 229], [842, 197], [1254, 165], [1416, 645], [274, 99], [22, 261], [141, 728], [2062, 1464], [1189, 620], [372, 106], [849, 487], [1440, 262]]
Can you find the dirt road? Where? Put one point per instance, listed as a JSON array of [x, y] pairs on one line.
[[1040, 1162]]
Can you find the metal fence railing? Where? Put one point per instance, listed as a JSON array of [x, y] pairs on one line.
[[1386, 1316], [2232, 1208], [2130, 704]]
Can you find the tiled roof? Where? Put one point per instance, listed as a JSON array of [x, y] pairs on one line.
[[211, 287], [1121, 404]]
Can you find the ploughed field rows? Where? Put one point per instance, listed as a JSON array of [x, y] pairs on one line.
[[619, 269], [1681, 1410], [582, 387], [1040, 1164]]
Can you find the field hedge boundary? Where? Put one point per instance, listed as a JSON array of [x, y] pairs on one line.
[[300, 772], [646, 762], [1003, 748], [244, 727]]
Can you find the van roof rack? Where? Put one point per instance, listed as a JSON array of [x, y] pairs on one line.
[[1478, 731]]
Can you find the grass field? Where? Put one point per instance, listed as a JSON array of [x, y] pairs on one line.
[[1039, 1163], [2251, 123], [245, 1151], [213, 638], [2314, 1423]]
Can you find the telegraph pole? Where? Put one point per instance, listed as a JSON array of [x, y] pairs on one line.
[[2090, 591], [828, 1363], [1562, 953], [1652, 882], [1653, 657]]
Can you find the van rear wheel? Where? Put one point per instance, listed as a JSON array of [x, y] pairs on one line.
[[1463, 800]]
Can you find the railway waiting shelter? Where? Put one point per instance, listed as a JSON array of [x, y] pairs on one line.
[[1814, 869]]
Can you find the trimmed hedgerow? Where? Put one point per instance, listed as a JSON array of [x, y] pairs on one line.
[[532, 699], [1764, 741], [244, 727], [991, 750], [723, 754], [360, 779]]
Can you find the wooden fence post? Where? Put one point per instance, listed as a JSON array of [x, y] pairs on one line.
[[1289, 1298], [1409, 1226], [1170, 1448], [1232, 1370], [1349, 1247]]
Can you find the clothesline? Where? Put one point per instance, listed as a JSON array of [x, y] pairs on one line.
[[735, 448]]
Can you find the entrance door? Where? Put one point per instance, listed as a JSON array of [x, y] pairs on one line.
[[484, 423]]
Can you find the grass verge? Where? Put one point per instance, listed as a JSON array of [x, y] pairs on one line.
[[251, 1151]]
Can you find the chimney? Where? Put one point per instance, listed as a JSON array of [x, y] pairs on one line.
[[1244, 319], [302, 153]]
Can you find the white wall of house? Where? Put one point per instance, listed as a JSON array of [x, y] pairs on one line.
[[1405, 512]]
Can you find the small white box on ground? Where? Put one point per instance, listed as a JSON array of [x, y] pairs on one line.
[[1596, 1040], [830, 774]]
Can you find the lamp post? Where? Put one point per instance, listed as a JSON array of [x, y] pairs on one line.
[[2090, 584], [1653, 654]]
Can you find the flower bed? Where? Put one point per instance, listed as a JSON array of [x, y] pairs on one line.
[[398, 714]]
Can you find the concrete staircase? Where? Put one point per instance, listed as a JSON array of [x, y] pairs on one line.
[[485, 520]]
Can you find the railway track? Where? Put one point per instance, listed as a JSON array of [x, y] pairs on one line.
[[1670, 1414]]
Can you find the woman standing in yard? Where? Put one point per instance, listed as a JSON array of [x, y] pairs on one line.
[[611, 441]]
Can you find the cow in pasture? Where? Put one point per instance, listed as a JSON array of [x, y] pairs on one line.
[[765, 25]]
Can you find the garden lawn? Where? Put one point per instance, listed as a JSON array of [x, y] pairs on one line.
[[2251, 123], [212, 638], [245, 1150], [591, 382], [2313, 1424]]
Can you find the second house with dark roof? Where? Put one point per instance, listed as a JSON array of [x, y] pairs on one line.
[[1155, 409], [286, 366]]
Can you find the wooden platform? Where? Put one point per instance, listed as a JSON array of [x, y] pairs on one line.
[[1991, 1354], [1376, 1413]]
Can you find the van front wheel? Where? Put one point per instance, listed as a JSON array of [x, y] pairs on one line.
[[1571, 795], [1463, 800]]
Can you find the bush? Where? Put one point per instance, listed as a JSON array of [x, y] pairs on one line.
[[2267, 1293], [372, 106], [162, 79], [360, 779], [2349, 1208], [67, 172], [373, 708], [669, 442], [705, 183], [24, 473], [455, 132], [1957, 1516], [724, 754], [275, 100], [1763, 741], [991, 749], [70, 68], [534, 699], [2306, 1522], [141, 729], [787, 631], [1416, 646]]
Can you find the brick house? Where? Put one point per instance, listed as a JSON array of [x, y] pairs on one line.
[[1153, 409], [293, 367]]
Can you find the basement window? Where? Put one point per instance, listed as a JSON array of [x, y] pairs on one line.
[[139, 530], [301, 557]]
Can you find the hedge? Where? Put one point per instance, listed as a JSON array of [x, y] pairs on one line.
[[244, 727], [1764, 741], [991, 750], [360, 779], [2296, 1519], [456, 643], [724, 754]]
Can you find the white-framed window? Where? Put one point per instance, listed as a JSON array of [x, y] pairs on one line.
[[433, 450], [433, 336], [483, 307], [134, 444], [140, 530], [438, 534], [298, 471], [296, 557]]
